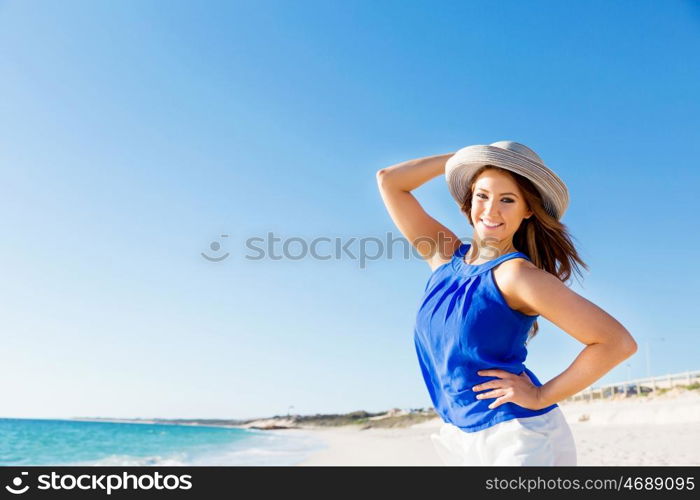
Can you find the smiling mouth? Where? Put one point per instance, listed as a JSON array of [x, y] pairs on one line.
[[488, 226]]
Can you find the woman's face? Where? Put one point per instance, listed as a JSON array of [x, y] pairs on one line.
[[497, 200]]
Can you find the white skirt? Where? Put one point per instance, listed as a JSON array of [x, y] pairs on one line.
[[540, 440]]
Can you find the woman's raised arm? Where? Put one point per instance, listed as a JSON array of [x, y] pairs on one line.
[[435, 242]]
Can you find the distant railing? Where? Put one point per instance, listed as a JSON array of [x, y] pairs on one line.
[[637, 387]]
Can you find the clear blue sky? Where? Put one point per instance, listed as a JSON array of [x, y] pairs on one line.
[[133, 134]]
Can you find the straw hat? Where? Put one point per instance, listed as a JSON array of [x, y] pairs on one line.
[[512, 156]]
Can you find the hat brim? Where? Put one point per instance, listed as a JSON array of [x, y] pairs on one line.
[[460, 169]]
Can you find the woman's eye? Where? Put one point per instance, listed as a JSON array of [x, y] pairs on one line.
[[508, 200]]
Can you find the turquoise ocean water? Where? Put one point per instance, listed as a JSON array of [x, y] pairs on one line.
[[71, 442]]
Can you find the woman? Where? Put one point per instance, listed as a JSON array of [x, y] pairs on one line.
[[482, 301]]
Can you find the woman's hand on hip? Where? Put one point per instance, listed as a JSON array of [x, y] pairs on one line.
[[509, 388]]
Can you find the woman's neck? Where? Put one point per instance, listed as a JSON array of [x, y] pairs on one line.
[[490, 252]]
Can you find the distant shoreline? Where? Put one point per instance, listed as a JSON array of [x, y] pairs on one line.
[[361, 420], [151, 422]]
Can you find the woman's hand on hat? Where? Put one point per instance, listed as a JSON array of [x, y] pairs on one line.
[[509, 388]]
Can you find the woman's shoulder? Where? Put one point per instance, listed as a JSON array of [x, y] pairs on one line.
[[509, 277], [516, 270], [515, 264]]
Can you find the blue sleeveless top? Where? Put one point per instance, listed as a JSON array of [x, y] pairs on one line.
[[464, 325]]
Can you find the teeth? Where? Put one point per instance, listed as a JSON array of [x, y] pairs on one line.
[[488, 224]]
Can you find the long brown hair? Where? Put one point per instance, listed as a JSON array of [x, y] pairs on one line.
[[543, 238]]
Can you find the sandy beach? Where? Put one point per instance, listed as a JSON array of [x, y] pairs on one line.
[[663, 430]]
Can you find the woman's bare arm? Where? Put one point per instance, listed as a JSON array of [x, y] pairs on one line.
[[432, 240], [608, 343]]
